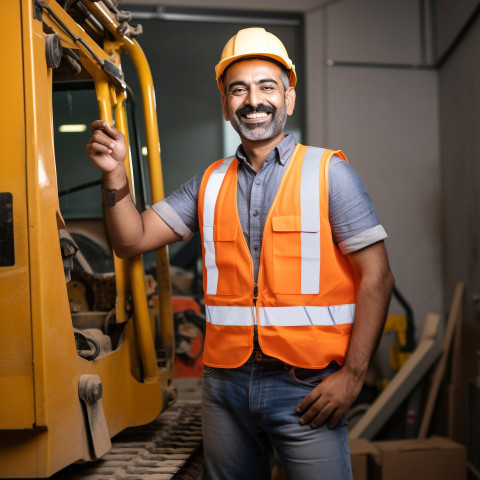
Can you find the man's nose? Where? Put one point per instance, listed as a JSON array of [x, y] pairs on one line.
[[254, 99]]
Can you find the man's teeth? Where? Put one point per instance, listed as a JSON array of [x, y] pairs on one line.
[[256, 115]]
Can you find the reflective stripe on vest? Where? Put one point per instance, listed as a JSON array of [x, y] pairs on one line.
[[225, 315], [306, 316], [211, 194], [281, 316], [310, 219]]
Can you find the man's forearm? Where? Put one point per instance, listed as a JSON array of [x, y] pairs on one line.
[[124, 222], [370, 313]]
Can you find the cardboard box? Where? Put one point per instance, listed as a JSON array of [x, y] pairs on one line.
[[361, 453], [435, 458]]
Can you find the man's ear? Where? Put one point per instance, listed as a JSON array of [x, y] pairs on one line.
[[224, 107], [290, 97]]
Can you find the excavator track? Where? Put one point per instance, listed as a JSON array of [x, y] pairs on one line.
[[170, 448]]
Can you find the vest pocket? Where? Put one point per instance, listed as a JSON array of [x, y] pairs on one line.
[[296, 255], [219, 242]]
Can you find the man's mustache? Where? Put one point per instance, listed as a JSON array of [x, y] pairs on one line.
[[260, 108]]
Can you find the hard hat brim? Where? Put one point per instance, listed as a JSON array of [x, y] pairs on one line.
[[223, 64]]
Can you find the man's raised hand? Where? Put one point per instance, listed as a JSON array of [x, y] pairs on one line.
[[106, 147]]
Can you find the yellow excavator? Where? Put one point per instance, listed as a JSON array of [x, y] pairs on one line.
[[86, 338]]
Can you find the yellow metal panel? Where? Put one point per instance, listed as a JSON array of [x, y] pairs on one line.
[[37, 310], [16, 447], [16, 402], [55, 377], [16, 366]]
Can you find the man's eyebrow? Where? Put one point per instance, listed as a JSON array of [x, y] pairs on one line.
[[235, 84], [244, 84], [268, 80]]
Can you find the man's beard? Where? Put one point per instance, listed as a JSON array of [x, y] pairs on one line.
[[270, 128]]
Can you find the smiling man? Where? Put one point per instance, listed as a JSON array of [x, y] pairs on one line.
[[296, 277], [272, 95]]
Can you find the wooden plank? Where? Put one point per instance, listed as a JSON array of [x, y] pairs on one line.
[[453, 319], [456, 400], [403, 382]]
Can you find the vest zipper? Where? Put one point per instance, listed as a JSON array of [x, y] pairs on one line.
[[254, 308]]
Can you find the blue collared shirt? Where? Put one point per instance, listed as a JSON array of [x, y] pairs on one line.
[[353, 220]]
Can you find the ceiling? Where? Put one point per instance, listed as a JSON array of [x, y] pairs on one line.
[[264, 5]]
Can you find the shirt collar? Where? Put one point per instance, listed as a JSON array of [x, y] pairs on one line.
[[281, 152]]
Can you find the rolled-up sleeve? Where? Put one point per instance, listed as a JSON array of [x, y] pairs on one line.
[[180, 209], [354, 222]]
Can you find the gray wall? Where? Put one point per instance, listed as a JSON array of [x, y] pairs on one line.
[[459, 85], [450, 17], [384, 115], [459, 105]]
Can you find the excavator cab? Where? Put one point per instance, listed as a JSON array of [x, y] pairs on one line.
[[86, 338]]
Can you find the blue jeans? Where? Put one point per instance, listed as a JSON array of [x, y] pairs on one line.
[[250, 410]]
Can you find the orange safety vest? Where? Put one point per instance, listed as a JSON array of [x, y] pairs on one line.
[[304, 300]]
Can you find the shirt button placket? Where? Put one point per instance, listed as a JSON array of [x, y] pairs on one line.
[[255, 217]]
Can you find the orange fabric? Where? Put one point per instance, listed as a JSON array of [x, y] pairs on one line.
[[227, 349], [232, 255], [309, 347], [279, 280]]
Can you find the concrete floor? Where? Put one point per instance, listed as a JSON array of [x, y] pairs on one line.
[[189, 389]]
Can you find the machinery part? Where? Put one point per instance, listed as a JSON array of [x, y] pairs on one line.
[[66, 4], [53, 50], [128, 31], [91, 343], [123, 16], [71, 60], [7, 244], [87, 347], [90, 388], [251, 42], [188, 327], [397, 343], [169, 448], [114, 74], [120, 15], [69, 249], [409, 344], [90, 392]]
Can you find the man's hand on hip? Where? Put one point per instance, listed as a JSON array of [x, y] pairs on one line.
[[329, 400]]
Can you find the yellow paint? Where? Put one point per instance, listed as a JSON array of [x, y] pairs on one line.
[[42, 425], [154, 161]]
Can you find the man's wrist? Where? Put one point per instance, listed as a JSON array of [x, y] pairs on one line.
[[115, 179], [111, 196], [114, 186], [356, 371]]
